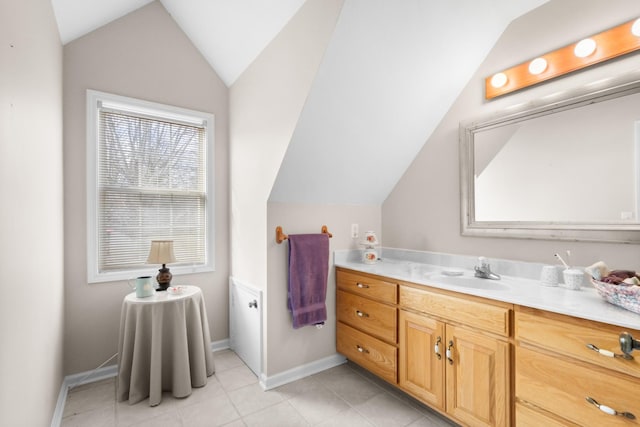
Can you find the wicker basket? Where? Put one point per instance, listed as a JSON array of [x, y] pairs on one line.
[[623, 295]]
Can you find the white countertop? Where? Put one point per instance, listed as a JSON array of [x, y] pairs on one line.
[[584, 303]]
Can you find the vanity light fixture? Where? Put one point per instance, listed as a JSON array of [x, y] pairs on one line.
[[609, 44]]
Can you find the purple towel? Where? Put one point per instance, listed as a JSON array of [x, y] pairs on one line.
[[308, 271]]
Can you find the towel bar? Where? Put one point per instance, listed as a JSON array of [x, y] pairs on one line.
[[281, 237]]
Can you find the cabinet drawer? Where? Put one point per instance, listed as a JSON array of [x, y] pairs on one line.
[[369, 316], [530, 417], [367, 286], [488, 317], [571, 336], [378, 357], [561, 387]]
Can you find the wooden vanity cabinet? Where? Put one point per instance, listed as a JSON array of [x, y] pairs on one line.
[[392, 329], [454, 354], [557, 372], [366, 310]]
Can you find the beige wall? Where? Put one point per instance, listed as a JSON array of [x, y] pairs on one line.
[[423, 211], [142, 55], [265, 103], [31, 238], [287, 348]]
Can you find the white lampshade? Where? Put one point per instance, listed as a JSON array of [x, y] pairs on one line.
[[161, 252]]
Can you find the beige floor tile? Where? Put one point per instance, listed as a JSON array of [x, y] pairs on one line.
[[128, 415], [353, 388], [169, 419], [101, 417], [342, 396], [319, 405], [253, 398], [234, 378], [304, 385], [432, 421], [386, 410], [280, 415], [91, 396], [217, 411], [348, 418], [226, 359]]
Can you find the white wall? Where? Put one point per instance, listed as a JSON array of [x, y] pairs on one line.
[[143, 55], [265, 103], [31, 238], [423, 211]]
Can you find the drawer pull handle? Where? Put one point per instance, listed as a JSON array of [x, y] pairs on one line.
[[449, 358], [606, 353], [362, 286], [436, 348], [361, 313], [609, 410], [362, 349]]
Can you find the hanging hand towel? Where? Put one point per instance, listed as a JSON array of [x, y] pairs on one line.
[[308, 271]]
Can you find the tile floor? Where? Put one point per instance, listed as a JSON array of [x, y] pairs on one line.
[[342, 396]]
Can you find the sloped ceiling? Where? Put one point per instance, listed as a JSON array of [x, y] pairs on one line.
[[390, 73]]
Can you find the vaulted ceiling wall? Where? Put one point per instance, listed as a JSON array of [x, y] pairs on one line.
[[390, 72]]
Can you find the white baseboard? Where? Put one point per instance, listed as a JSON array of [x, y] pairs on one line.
[[74, 380], [299, 372]]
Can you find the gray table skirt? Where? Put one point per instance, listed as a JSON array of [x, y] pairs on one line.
[[164, 346]]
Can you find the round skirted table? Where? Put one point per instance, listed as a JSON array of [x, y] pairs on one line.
[[164, 345]]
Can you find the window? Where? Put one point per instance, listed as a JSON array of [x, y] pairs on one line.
[[149, 177]]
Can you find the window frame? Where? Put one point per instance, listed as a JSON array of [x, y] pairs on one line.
[[94, 100]]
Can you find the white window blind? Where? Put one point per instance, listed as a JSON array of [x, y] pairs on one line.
[[151, 184]]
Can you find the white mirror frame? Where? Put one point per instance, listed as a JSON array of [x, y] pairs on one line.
[[601, 232]]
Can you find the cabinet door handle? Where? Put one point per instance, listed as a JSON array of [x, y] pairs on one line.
[[361, 313], [436, 348], [609, 410], [361, 349], [362, 285], [449, 358], [608, 353]]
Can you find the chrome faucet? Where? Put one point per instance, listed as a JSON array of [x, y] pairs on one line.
[[483, 271]]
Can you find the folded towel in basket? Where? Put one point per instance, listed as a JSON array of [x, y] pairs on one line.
[[308, 272]]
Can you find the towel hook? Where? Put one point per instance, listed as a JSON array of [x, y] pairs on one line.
[[281, 237]]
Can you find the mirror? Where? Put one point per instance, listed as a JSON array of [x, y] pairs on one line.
[[564, 169]]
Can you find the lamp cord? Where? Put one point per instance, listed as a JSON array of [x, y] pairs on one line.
[[92, 372]]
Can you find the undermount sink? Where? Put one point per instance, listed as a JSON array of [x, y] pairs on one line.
[[468, 281]]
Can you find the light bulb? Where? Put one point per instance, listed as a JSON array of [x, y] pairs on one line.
[[499, 80], [635, 28], [537, 66], [584, 48]]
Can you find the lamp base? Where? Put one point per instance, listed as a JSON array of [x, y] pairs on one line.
[[164, 279]]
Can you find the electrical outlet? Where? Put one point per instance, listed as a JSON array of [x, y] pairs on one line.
[[354, 231]]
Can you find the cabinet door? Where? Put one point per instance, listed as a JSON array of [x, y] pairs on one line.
[[421, 369], [478, 385]]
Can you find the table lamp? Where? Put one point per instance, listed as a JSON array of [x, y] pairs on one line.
[[161, 252]]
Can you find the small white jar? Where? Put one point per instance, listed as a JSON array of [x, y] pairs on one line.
[[369, 255], [549, 275], [573, 278]]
